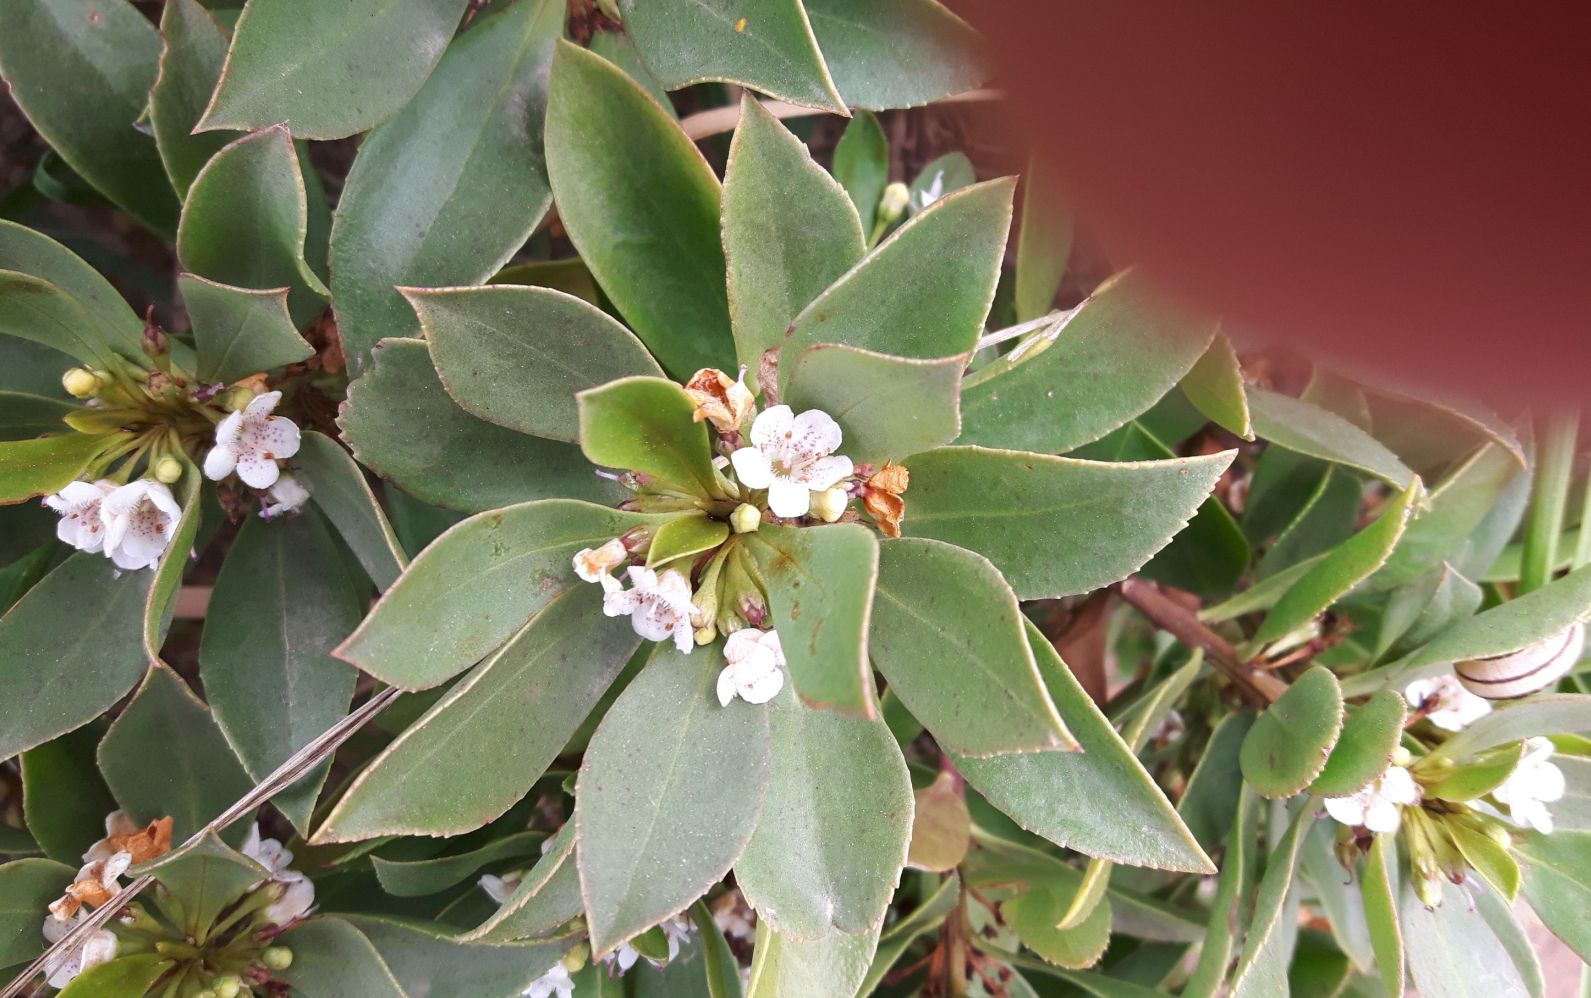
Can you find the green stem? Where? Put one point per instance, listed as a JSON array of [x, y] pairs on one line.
[[1549, 499], [1582, 550]]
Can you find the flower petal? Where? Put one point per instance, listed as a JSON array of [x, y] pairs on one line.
[[1383, 815], [789, 499], [815, 434], [772, 429], [279, 437], [1348, 810], [752, 467], [726, 685], [824, 473], [762, 688], [258, 472], [219, 463]]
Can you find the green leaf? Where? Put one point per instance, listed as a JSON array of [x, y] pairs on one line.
[[832, 964], [206, 876], [683, 536], [1043, 244], [1513, 625], [423, 877], [1055, 526], [651, 237], [1364, 748], [1326, 520], [547, 896], [1290, 742], [1453, 950], [1557, 883], [107, 51], [1215, 386], [722, 970], [448, 189], [1477, 776], [888, 407], [644, 852], [766, 45], [333, 959], [27, 886], [1453, 511], [476, 585], [861, 165], [161, 602], [646, 425], [1267, 949], [339, 489], [125, 977], [197, 778], [65, 824], [945, 175], [1221, 938], [246, 221], [1211, 797], [1034, 916], [403, 425], [832, 834], [117, 327], [789, 229], [820, 597], [24, 416], [33, 308], [518, 356], [239, 331], [281, 603], [427, 963], [941, 826], [1488, 858], [72, 649], [1304, 428], [44, 465], [1380, 892], [328, 70], [1343, 568], [896, 53], [1550, 714], [947, 634], [24, 573], [190, 64], [1099, 801], [924, 292], [520, 707]]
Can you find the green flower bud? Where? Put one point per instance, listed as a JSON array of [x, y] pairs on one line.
[[277, 957], [235, 398], [705, 634], [80, 383], [168, 469], [577, 957], [229, 986], [1401, 756], [745, 518], [829, 505], [893, 204]]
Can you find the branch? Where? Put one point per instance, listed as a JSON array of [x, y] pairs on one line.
[[1260, 687]]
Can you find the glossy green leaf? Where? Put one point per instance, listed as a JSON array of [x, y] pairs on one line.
[[861, 165], [644, 852], [125, 977], [44, 465], [820, 597], [1308, 429], [1380, 892], [1343, 568], [27, 886], [198, 776], [239, 331], [448, 189], [1513, 625], [766, 45], [1364, 748], [107, 53], [1452, 950], [651, 237], [520, 707], [1099, 801], [32, 308], [832, 964], [888, 407], [425, 962], [246, 222], [924, 292], [647, 425], [518, 356], [1215, 386], [423, 877], [190, 63], [1290, 742], [161, 602], [1210, 799], [340, 491], [1044, 242], [477, 585], [116, 326], [548, 895], [1034, 916], [25, 572], [1267, 948], [832, 834], [1055, 526], [207, 876], [683, 536], [328, 70], [1557, 883], [948, 635], [403, 425], [789, 229], [65, 824], [72, 649], [896, 53], [281, 603], [333, 959]]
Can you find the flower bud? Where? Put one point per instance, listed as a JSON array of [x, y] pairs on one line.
[[1429, 891], [168, 469], [577, 957], [235, 399], [830, 505], [277, 957], [1401, 756], [893, 203], [207, 993], [229, 986], [1532, 668], [80, 383], [745, 518], [706, 633]]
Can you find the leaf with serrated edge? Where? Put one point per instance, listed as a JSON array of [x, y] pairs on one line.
[[1364, 749], [1299, 426], [1289, 744], [1215, 387], [1262, 969], [888, 407]]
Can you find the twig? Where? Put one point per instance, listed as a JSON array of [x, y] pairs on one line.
[[288, 773], [723, 119], [1261, 687]]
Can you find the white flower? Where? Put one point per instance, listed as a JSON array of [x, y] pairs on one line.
[[623, 958], [298, 891], [79, 505], [555, 981], [284, 496], [933, 192], [676, 930], [592, 564], [95, 884], [1533, 784], [755, 661], [658, 605], [1377, 806], [98, 948], [1446, 702], [139, 519], [790, 457], [251, 441], [500, 888]]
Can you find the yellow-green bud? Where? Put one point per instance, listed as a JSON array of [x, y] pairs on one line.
[[80, 383], [1401, 756], [207, 993], [168, 469], [1429, 891], [235, 398], [704, 635], [1499, 834], [745, 518], [893, 203], [829, 505], [577, 957], [277, 957], [228, 987]]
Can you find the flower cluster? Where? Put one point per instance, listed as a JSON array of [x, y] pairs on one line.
[[124, 845], [130, 524]]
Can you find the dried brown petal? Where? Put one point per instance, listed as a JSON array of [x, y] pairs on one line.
[[892, 478], [886, 508]]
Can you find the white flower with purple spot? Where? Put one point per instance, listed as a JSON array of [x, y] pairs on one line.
[[1447, 704], [792, 457], [1379, 806], [251, 441], [140, 519], [1533, 784], [658, 605], [79, 504], [284, 496], [754, 667]]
